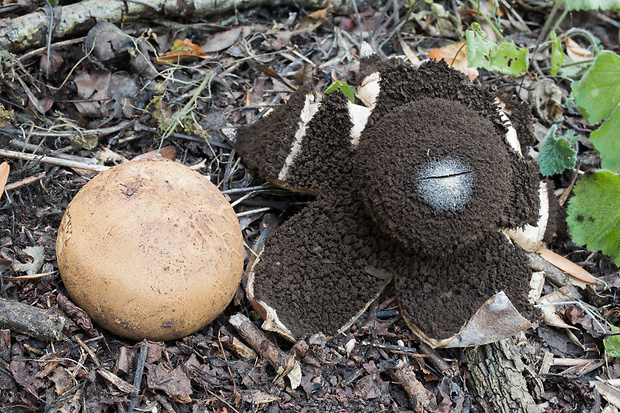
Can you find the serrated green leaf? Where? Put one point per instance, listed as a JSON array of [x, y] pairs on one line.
[[346, 88], [504, 58], [555, 154], [612, 343], [571, 5], [598, 93], [594, 215], [607, 142], [557, 54]]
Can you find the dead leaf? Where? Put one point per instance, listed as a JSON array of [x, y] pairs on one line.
[[567, 266], [455, 55], [181, 50], [167, 152], [103, 94], [223, 40], [575, 52], [175, 383], [577, 316], [4, 176], [319, 14], [411, 56], [546, 97], [255, 397], [63, 381], [313, 20]]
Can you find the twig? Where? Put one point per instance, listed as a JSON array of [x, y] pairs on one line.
[[248, 189], [52, 161], [437, 360], [421, 399], [28, 277], [252, 212], [222, 400], [88, 350], [36, 149], [283, 364], [98, 132], [137, 381], [24, 182]]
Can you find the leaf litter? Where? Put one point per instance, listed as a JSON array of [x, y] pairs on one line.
[[358, 370]]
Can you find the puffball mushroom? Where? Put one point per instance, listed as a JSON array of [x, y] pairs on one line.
[[150, 249]]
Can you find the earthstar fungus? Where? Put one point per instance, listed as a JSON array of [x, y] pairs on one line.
[[420, 186]]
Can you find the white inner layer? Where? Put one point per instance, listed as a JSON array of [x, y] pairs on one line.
[[530, 237], [511, 135], [359, 116], [308, 111], [369, 89], [445, 184]]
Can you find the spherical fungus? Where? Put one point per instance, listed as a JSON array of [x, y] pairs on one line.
[[150, 249]]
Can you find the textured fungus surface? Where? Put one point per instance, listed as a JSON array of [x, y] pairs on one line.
[[421, 198], [407, 142]]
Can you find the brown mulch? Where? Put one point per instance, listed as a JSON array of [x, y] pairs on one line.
[[254, 60]]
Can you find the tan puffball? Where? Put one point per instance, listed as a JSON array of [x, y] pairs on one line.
[[150, 249]]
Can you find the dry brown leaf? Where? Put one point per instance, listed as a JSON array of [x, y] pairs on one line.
[[167, 152], [455, 55], [4, 176], [576, 52], [567, 266], [319, 14], [181, 50], [408, 52]]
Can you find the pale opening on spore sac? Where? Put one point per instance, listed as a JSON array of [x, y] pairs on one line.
[[445, 184]]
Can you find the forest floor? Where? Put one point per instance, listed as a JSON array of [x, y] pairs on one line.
[[104, 110]]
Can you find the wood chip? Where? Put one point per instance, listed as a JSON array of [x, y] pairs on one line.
[[283, 363], [119, 383]]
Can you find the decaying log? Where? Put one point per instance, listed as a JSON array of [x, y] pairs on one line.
[[30, 30], [39, 323], [284, 364], [497, 373]]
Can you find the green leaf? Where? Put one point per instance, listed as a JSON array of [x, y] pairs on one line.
[[607, 142], [598, 93], [555, 154], [346, 88], [503, 58], [612, 343], [593, 213], [592, 5], [557, 54]]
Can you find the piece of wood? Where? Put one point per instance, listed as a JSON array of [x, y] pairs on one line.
[[119, 383], [497, 377], [30, 30], [421, 399], [284, 364], [52, 161], [39, 323]]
